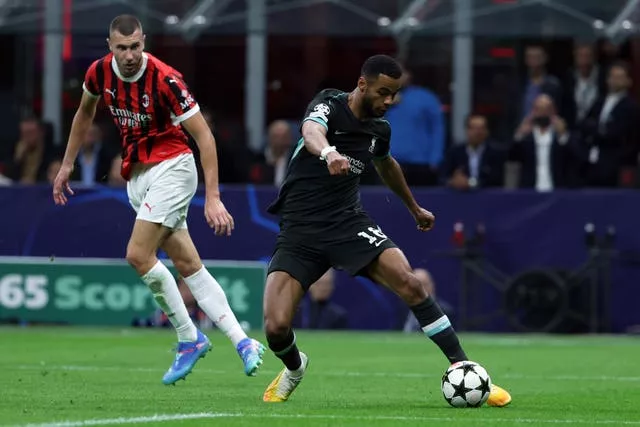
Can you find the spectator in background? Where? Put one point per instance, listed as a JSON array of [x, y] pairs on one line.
[[608, 134], [317, 311], [159, 319], [417, 140], [94, 159], [538, 81], [477, 163], [53, 168], [30, 157], [272, 167], [542, 148], [609, 53], [115, 178], [234, 157], [585, 84], [411, 323]]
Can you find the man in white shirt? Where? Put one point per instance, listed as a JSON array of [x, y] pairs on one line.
[[608, 134], [278, 150], [585, 85], [542, 148]]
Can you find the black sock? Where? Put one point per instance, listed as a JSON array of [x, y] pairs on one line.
[[286, 350], [437, 327]]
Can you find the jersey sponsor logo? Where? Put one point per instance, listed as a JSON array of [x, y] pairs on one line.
[[128, 118], [372, 147], [111, 92], [355, 166], [321, 111]]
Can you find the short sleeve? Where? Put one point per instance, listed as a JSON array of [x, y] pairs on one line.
[[382, 147], [179, 99], [91, 86], [320, 110]]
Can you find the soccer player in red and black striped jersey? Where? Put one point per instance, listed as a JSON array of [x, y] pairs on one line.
[[152, 107]]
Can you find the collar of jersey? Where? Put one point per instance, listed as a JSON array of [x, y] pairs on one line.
[[136, 76]]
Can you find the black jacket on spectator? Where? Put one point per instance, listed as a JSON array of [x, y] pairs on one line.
[[321, 315], [550, 86], [261, 172], [103, 165], [514, 112], [491, 168], [569, 106], [561, 159], [616, 141], [234, 157]]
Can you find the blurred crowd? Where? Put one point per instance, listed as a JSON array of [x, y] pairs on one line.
[[567, 131]]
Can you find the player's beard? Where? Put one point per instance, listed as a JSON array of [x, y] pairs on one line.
[[367, 108]]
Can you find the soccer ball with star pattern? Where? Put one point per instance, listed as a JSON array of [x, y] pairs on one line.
[[466, 385]]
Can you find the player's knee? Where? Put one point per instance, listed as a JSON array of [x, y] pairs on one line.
[[411, 289], [187, 267], [139, 260], [276, 326]]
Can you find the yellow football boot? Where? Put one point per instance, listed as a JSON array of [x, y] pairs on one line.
[[498, 397], [284, 384]]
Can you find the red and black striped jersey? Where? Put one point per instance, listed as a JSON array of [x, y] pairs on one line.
[[147, 108]]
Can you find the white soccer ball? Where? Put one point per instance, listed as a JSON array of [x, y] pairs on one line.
[[466, 385]]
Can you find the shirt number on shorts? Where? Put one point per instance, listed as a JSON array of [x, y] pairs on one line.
[[375, 236]]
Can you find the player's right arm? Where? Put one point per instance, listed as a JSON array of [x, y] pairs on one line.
[[316, 143], [79, 127], [314, 134]]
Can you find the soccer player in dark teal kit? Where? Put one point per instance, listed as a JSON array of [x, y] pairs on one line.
[[323, 223]]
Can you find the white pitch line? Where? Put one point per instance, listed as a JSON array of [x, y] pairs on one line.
[[334, 374], [212, 415]]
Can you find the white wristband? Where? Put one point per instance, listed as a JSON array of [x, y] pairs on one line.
[[325, 151]]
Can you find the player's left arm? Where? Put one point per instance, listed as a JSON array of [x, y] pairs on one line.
[[215, 212], [197, 127], [391, 174], [185, 111]]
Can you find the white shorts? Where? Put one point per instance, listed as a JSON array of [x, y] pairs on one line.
[[161, 192]]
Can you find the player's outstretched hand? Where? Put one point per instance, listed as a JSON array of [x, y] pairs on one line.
[[424, 219], [217, 217], [337, 164], [61, 185]]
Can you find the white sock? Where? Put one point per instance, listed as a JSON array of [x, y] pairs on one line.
[[212, 300], [165, 291]]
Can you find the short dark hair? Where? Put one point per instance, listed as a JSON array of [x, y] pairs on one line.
[[125, 25], [472, 116], [32, 118], [584, 45], [381, 64]]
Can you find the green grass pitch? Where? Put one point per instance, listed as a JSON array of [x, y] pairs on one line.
[[69, 377]]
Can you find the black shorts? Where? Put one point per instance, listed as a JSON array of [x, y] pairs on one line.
[[307, 252]]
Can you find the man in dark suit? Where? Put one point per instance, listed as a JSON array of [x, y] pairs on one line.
[[94, 161], [234, 157], [585, 83], [543, 148], [477, 164], [608, 134], [271, 167], [317, 311], [538, 80]]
